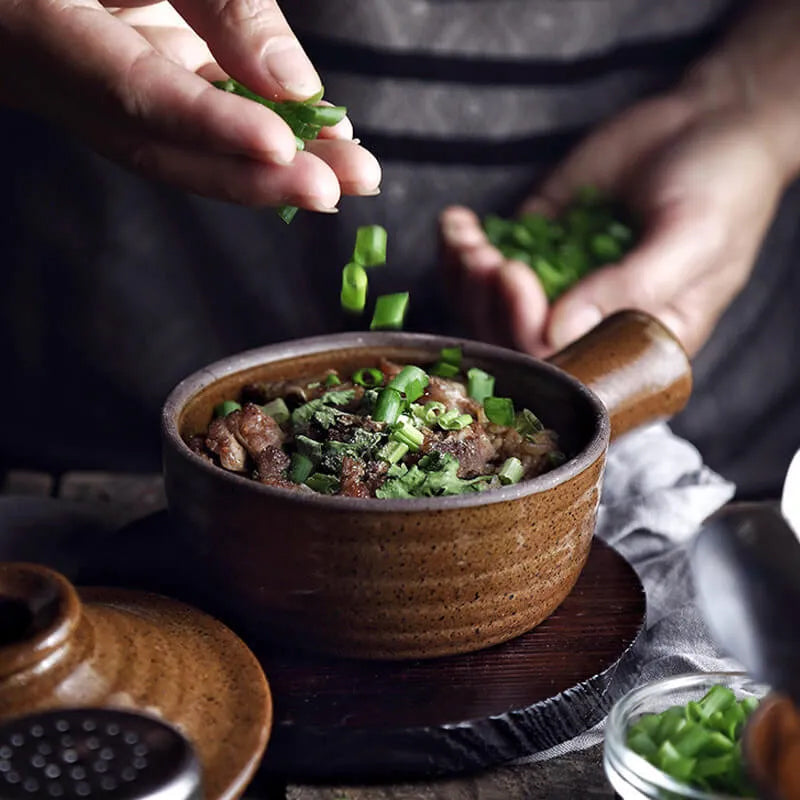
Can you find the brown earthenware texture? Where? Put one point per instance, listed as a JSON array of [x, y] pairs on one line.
[[119, 648], [397, 579], [635, 365], [772, 748]]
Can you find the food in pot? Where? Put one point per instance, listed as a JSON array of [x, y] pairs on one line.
[[390, 431]]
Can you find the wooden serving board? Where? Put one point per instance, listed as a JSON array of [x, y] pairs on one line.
[[347, 719]]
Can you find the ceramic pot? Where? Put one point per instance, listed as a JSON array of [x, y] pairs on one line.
[[418, 578], [125, 649]]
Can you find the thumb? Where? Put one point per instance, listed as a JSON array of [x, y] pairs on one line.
[[252, 41], [649, 278]]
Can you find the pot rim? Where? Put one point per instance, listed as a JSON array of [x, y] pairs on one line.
[[193, 384]]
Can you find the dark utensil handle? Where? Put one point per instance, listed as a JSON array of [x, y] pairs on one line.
[[635, 365]]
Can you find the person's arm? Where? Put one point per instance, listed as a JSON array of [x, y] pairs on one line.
[[128, 81], [703, 166]]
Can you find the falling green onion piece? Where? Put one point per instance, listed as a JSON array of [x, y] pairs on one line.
[[226, 407], [454, 420], [390, 311], [480, 384], [332, 380], [370, 248], [287, 213], [499, 410], [354, 288], [409, 435]]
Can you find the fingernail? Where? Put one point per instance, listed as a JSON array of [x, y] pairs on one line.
[[571, 325], [290, 67], [459, 234]]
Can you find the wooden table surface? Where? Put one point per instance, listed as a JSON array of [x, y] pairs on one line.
[[122, 498]]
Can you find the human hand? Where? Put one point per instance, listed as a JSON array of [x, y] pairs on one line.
[[132, 81], [704, 186]]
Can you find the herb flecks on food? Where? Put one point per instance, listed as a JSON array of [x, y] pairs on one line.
[[435, 475], [320, 409]]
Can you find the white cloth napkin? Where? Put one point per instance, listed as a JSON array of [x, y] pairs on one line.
[[657, 492]]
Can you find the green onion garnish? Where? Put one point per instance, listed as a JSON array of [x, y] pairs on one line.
[[300, 468], [390, 311], [393, 451], [332, 380], [354, 288], [444, 370], [527, 423], [511, 471], [432, 411], [388, 406], [411, 381], [454, 420], [368, 377], [226, 407], [277, 409], [406, 433], [322, 483], [450, 355], [499, 410], [480, 384], [370, 248]]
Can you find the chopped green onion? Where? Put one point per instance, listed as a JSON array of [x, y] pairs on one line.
[[388, 406], [453, 420], [499, 410], [527, 423], [432, 411], [354, 288], [407, 434], [368, 377], [393, 451], [480, 384], [390, 311], [332, 380], [287, 213], [450, 355], [444, 370], [718, 698], [322, 483], [673, 763], [300, 468], [226, 407], [410, 381], [320, 116], [309, 447], [277, 409], [511, 471], [370, 249]]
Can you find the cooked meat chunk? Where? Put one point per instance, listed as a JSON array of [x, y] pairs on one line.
[[352, 484], [452, 394], [535, 452], [255, 430], [222, 441], [471, 446], [271, 463]]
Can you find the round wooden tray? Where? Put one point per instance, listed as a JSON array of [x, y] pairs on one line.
[[339, 718]]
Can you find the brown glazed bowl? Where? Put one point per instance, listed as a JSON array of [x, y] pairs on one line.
[[418, 578]]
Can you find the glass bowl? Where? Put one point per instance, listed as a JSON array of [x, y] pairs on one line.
[[631, 776]]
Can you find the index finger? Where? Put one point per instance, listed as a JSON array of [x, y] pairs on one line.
[[252, 41]]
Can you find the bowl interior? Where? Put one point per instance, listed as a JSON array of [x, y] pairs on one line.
[[559, 401]]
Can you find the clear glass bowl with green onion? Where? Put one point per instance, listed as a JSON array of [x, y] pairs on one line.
[[689, 753]]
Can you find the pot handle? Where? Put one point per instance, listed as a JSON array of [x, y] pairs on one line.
[[635, 365]]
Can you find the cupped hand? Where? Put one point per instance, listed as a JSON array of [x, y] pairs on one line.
[[133, 81], [704, 187]]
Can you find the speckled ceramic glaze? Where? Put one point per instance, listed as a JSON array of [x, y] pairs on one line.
[[118, 648], [418, 578]]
